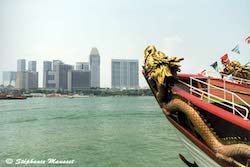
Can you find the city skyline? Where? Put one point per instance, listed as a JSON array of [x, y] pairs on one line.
[[60, 75], [67, 30], [26, 66]]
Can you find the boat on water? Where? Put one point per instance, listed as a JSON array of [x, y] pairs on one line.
[[78, 96], [56, 95], [209, 115], [12, 97]]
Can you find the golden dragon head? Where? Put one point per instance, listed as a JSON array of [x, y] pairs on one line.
[[158, 66]]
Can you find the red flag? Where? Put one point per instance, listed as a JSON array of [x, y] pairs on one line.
[[247, 40], [225, 59]]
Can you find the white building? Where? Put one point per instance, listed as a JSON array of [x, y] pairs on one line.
[[94, 61], [124, 73]]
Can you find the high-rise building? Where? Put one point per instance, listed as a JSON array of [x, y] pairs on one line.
[[26, 80], [61, 75], [94, 61], [124, 73], [56, 62], [82, 66], [9, 78], [78, 80], [32, 66], [51, 79], [21, 79], [47, 66], [56, 77], [32, 80], [21, 65]]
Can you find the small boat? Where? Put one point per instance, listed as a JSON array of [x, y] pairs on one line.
[[78, 96], [12, 97], [211, 120], [54, 95], [37, 95]]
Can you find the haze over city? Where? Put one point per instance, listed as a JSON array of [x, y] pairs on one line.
[[67, 30]]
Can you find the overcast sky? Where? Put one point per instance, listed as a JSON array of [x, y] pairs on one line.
[[201, 31]]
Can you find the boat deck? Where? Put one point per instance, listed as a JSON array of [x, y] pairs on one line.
[[220, 96], [243, 91]]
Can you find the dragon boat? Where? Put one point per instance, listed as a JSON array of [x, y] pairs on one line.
[[211, 121]]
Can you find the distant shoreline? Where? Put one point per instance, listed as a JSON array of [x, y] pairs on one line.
[[87, 92]]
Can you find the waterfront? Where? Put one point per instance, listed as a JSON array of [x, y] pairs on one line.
[[95, 132]]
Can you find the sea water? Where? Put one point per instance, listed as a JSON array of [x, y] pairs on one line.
[[87, 132]]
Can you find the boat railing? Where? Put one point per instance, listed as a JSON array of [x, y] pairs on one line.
[[205, 93], [224, 77], [241, 80]]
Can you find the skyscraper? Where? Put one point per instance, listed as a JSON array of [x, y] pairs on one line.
[[21, 65], [61, 75], [32, 66], [51, 79], [56, 62], [32, 80], [78, 80], [124, 73], [82, 66], [47, 66], [21, 79], [94, 61], [26, 79], [56, 77]]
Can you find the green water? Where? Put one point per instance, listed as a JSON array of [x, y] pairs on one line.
[[95, 132]]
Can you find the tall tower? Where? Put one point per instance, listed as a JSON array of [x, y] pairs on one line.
[[47, 66], [20, 75], [21, 65], [94, 61], [26, 79], [32, 66], [61, 75]]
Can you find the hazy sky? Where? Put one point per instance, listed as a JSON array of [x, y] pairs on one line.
[[201, 31]]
